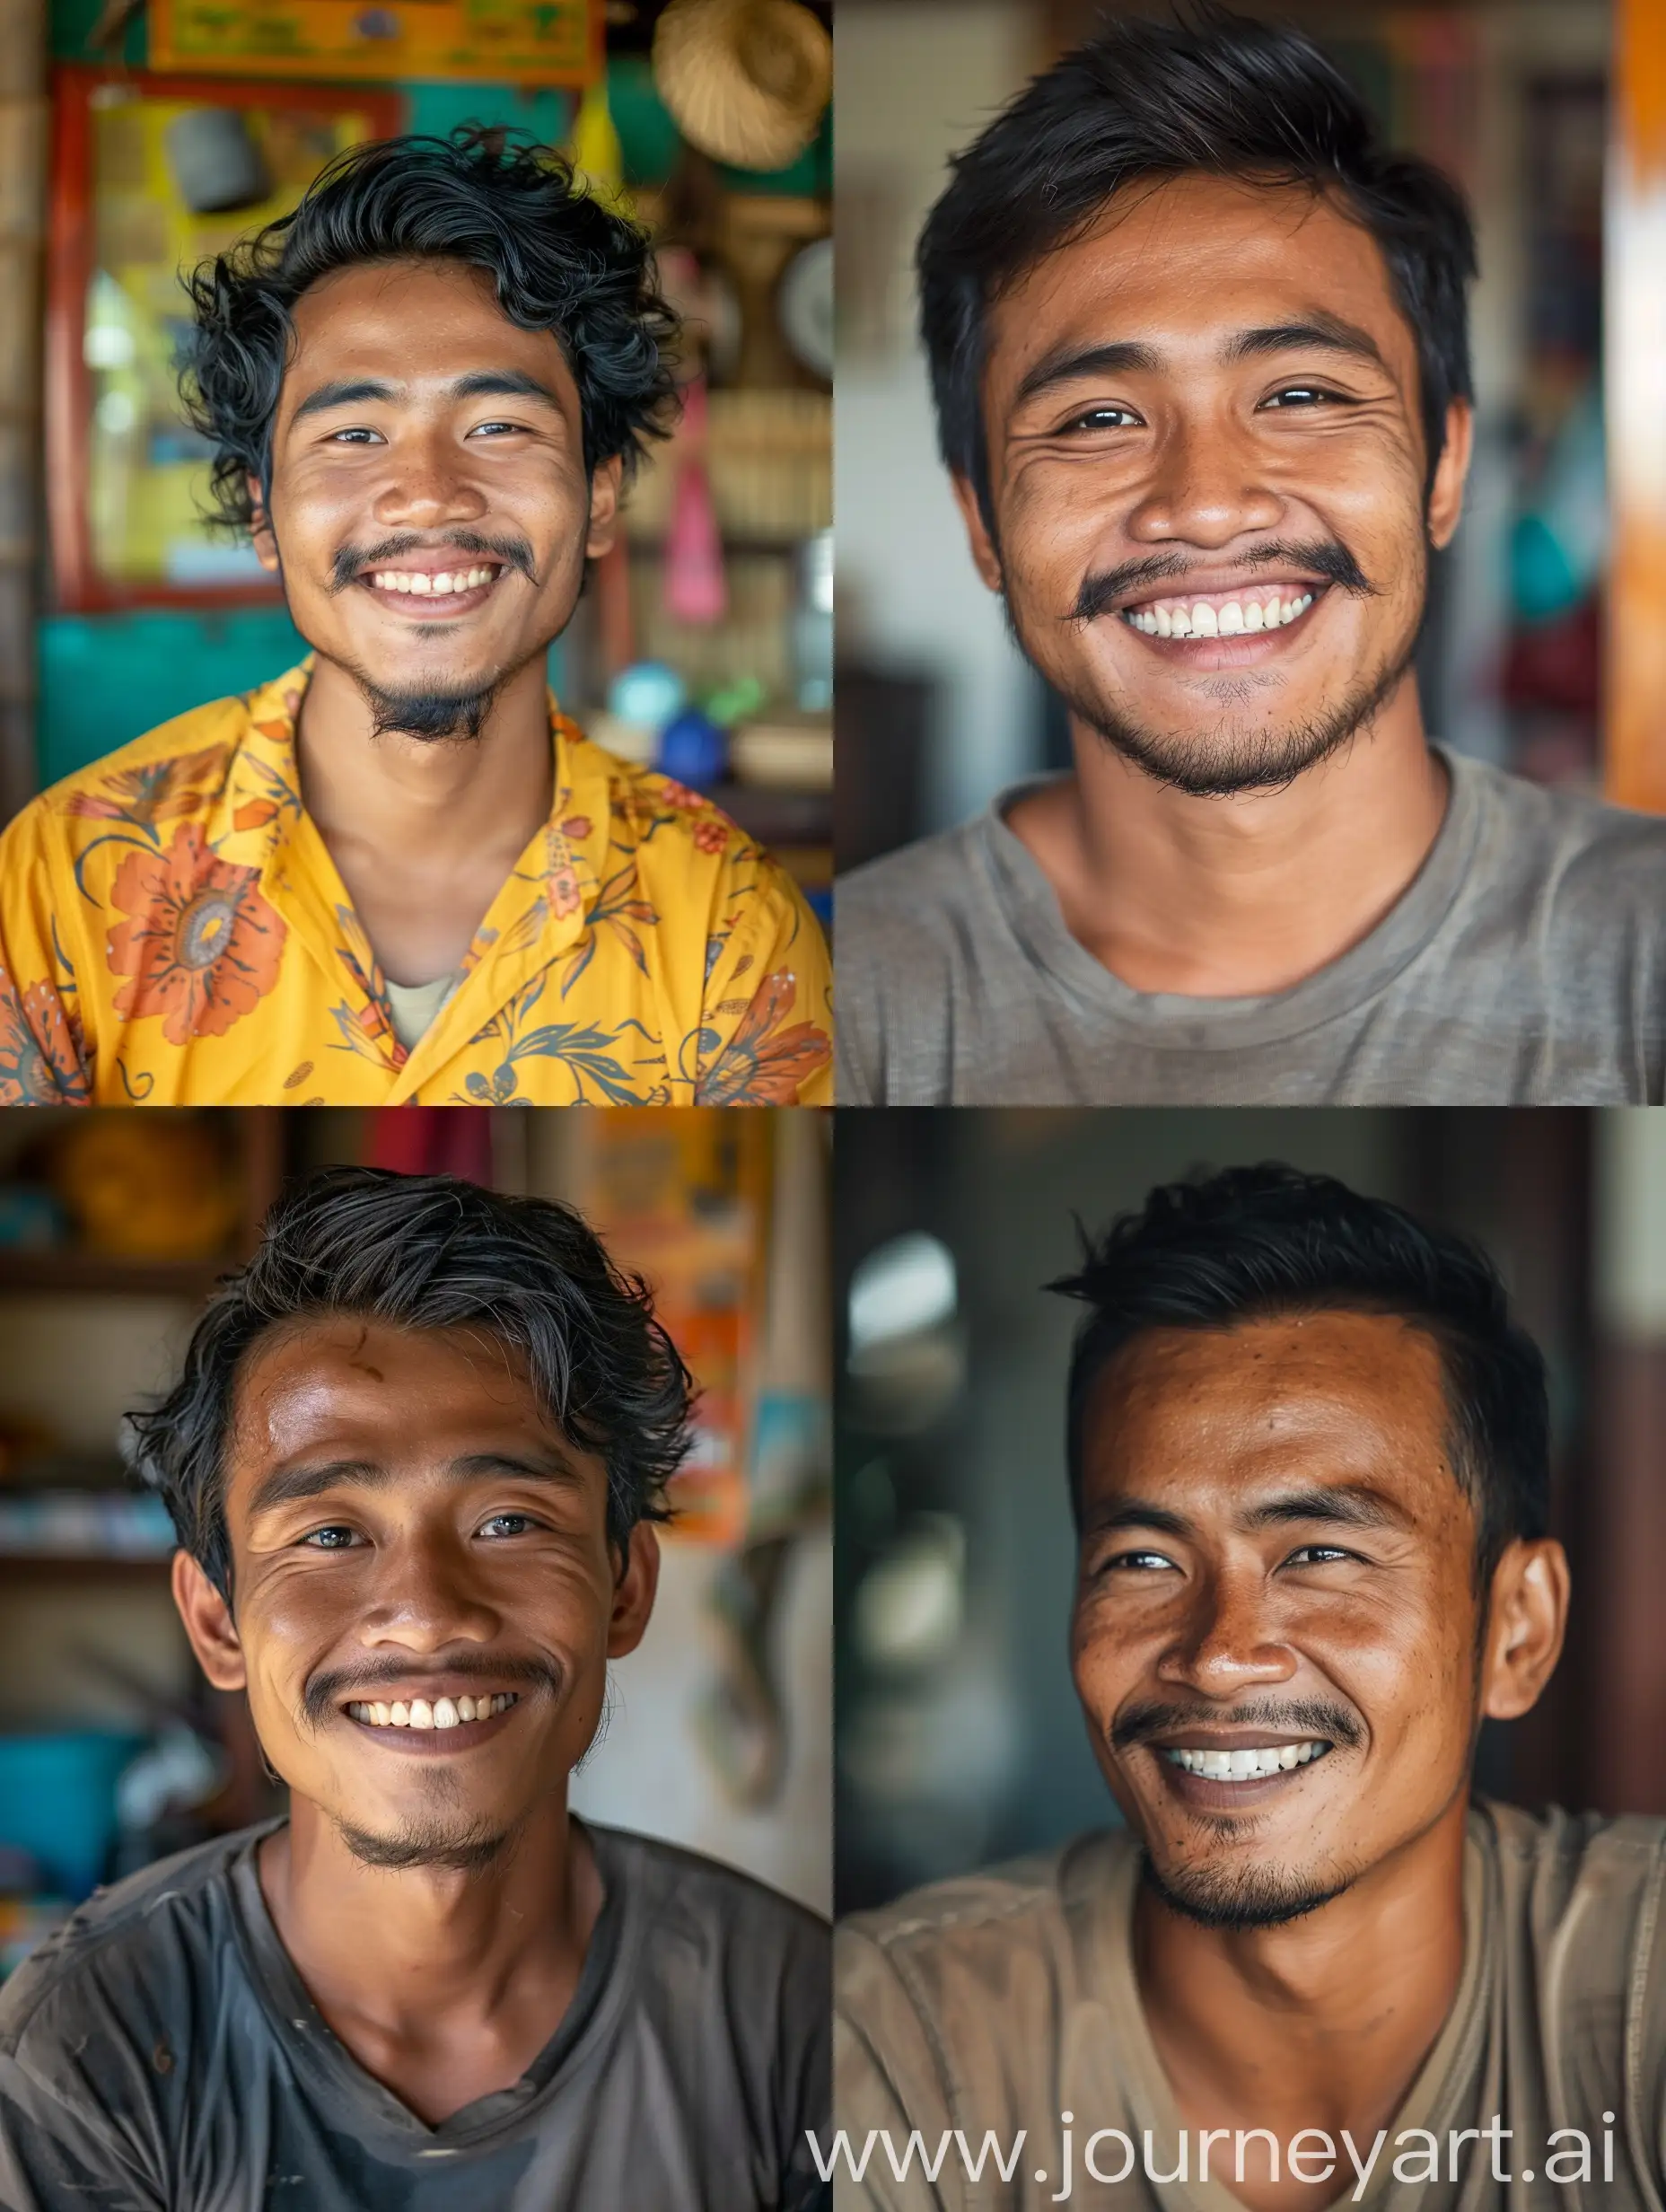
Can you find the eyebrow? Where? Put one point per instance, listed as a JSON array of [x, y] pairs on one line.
[[290, 1485], [1348, 1504], [1316, 330], [481, 384]]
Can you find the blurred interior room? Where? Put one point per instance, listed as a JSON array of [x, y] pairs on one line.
[[113, 1229], [139, 136], [959, 1739], [1542, 649]]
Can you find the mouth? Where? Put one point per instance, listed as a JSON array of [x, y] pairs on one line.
[[442, 1724], [431, 593], [1223, 1777], [1267, 612]]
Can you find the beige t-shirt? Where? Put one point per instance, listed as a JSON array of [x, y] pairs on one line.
[[1002, 2001]]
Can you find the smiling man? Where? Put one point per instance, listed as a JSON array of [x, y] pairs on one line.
[[414, 1460], [398, 873], [1308, 1452], [1199, 349]]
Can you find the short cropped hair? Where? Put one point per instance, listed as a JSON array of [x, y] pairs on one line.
[[1252, 1243], [493, 199], [1146, 101], [430, 1251]]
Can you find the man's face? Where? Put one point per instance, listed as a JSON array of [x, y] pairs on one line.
[[430, 504], [1208, 474], [1275, 1569], [407, 1525]]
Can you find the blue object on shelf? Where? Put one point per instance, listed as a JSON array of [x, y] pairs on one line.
[[694, 749], [649, 693], [57, 1800], [31, 1220]]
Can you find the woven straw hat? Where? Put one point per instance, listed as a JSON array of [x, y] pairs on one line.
[[747, 80]]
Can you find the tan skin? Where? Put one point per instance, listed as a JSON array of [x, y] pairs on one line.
[[438, 1533], [1271, 1520], [1200, 451], [383, 450]]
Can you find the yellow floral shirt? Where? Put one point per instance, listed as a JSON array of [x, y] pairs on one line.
[[173, 932]]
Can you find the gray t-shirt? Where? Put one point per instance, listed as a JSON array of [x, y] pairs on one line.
[[161, 2054], [1525, 964]]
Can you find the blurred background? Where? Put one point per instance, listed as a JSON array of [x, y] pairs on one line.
[[113, 1227], [138, 136], [959, 1739], [1544, 648]]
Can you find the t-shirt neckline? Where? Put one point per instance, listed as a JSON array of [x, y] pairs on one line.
[[311, 2044], [1168, 1019]]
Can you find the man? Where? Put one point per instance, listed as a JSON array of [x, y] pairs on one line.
[[415, 1459], [1198, 351], [1308, 1458], [398, 873]]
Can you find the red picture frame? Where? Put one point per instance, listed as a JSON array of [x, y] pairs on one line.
[[80, 586]]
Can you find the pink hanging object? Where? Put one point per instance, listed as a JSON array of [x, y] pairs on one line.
[[696, 591]]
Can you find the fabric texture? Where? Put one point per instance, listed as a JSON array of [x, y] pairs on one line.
[[1002, 2000], [1525, 964], [174, 932], [160, 2054]]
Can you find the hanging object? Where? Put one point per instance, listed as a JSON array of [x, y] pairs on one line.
[[594, 150], [695, 589], [746, 80]]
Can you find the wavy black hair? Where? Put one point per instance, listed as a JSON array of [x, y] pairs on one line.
[[1215, 92], [492, 198], [430, 1251], [1252, 1242]]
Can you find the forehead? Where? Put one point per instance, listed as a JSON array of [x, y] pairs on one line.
[[371, 1389], [415, 322], [1203, 1421], [1181, 263]]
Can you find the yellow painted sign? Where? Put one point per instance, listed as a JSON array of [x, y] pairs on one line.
[[501, 41]]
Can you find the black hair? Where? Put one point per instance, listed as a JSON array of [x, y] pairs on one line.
[[1216, 92], [429, 1251], [492, 198], [1253, 1243]]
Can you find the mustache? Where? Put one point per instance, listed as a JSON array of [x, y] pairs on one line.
[[1324, 556], [351, 562], [327, 1691], [1307, 1716]]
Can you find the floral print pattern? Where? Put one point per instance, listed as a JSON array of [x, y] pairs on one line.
[[173, 930]]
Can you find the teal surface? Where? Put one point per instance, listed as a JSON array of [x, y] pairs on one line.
[[57, 1801]]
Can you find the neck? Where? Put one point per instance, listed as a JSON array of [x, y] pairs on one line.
[[409, 1956], [1238, 897], [423, 799], [1323, 2022]]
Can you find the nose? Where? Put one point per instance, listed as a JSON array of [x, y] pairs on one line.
[[1205, 489], [1222, 1645], [422, 1597], [427, 484]]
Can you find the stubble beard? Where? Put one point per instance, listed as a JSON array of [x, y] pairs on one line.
[[1246, 1897], [1237, 757]]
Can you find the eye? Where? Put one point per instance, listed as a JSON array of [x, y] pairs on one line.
[[1138, 1562], [1307, 395], [490, 429], [332, 1539], [1318, 1555], [358, 436], [504, 1524], [1104, 418]]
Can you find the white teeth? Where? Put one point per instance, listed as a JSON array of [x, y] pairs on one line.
[[1179, 623], [1164, 621], [1204, 622], [411, 580], [1251, 1763], [445, 1713], [382, 1715], [422, 1713], [420, 584], [465, 1709], [400, 1713], [1232, 618], [1253, 616]]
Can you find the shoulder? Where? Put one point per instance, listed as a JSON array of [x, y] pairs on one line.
[[668, 825], [127, 1953], [975, 1935], [692, 1900], [921, 886], [1552, 1863], [173, 770], [1568, 839]]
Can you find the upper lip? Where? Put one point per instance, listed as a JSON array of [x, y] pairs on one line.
[[1199, 583]]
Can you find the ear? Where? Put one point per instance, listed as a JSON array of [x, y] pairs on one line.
[[985, 558], [261, 530], [633, 1593], [1527, 1618], [604, 506], [209, 1625], [1451, 473]]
